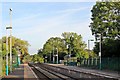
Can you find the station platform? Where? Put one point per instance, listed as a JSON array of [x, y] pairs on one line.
[[24, 72], [104, 73]]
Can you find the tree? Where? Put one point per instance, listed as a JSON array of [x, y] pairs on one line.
[[106, 22], [75, 44], [106, 19], [110, 48], [52, 45], [17, 45], [37, 58], [40, 52], [71, 43], [27, 59]]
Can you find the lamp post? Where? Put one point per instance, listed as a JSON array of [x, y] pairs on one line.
[[89, 48], [46, 59], [10, 40], [71, 37], [6, 52], [50, 56], [89, 44], [68, 54], [69, 51], [10, 28], [100, 52], [57, 55], [53, 53]]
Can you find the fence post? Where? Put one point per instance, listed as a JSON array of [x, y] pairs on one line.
[[96, 61], [88, 61], [85, 61], [92, 62]]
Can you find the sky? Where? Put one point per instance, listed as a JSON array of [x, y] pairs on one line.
[[36, 22]]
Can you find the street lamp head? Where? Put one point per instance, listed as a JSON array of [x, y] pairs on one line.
[[10, 9]]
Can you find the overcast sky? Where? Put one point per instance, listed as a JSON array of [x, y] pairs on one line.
[[36, 22]]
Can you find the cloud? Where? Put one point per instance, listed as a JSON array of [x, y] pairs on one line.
[[72, 10], [39, 25]]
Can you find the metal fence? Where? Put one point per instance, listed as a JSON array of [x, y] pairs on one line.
[[106, 63]]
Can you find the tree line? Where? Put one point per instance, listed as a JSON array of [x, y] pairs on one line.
[[106, 22], [18, 45], [71, 44]]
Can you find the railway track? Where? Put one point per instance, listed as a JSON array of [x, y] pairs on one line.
[[39, 74], [46, 74], [56, 73]]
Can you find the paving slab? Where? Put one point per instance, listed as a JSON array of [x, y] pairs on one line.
[[24, 72]]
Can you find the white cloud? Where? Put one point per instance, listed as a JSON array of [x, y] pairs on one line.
[[72, 10], [49, 22]]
